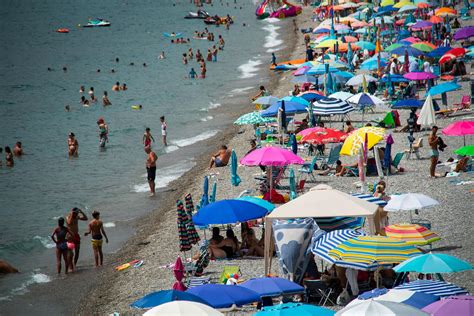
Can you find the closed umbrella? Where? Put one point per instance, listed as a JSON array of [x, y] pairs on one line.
[[455, 305], [438, 288], [294, 309], [205, 193], [413, 234], [294, 144], [235, 179], [427, 113], [292, 184], [228, 212], [223, 296], [178, 271], [388, 153], [193, 236], [272, 286], [182, 308], [184, 244], [161, 297], [433, 263], [212, 197], [373, 307]]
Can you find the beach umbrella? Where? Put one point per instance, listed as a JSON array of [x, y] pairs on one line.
[[329, 43], [336, 77], [266, 100], [329, 224], [424, 46], [394, 78], [304, 79], [321, 135], [454, 305], [412, 234], [228, 212], [357, 80], [409, 202], [321, 30], [235, 179], [292, 181], [370, 252], [465, 151], [253, 118], [272, 286], [321, 69], [460, 128], [366, 45], [407, 8], [443, 88], [223, 296], [311, 95], [430, 263], [464, 33], [388, 153], [402, 3], [435, 19], [161, 297], [419, 25], [407, 49], [290, 108], [292, 309], [331, 106], [415, 299], [418, 76], [183, 308], [341, 95], [385, 3], [328, 84], [446, 12], [294, 144], [446, 58], [301, 71], [439, 51], [457, 51], [357, 138], [193, 236], [393, 46], [372, 307], [205, 193], [178, 271], [271, 156], [364, 100], [331, 240], [427, 113], [438, 288], [184, 243], [258, 201], [373, 65], [407, 104], [297, 99]]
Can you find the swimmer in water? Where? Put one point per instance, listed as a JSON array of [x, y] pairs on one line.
[[192, 74], [64, 69], [18, 149], [123, 87], [116, 86], [117, 60], [91, 91], [162, 55], [82, 89], [96, 228], [144, 65], [67, 108], [83, 100], [9, 157], [185, 59], [50, 69], [105, 99], [98, 70], [93, 98], [103, 129], [112, 71], [73, 145], [147, 137], [132, 64]]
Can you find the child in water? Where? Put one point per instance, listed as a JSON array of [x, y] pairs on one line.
[[147, 137], [192, 74], [96, 228]]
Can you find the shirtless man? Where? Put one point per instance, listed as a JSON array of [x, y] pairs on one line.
[[151, 169], [434, 154], [105, 99], [116, 86], [96, 228], [18, 150], [72, 221], [73, 145], [221, 158]]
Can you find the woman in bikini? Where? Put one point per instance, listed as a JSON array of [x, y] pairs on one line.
[[226, 248], [59, 237]]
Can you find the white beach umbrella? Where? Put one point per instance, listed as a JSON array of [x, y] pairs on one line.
[[357, 80], [427, 113], [342, 95], [373, 307], [183, 308], [409, 201]]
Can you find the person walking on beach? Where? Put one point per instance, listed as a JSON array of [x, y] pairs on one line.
[[434, 153], [274, 59], [164, 131], [147, 138], [151, 169], [59, 238], [96, 228], [72, 221]]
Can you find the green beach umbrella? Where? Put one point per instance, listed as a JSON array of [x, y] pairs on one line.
[[235, 179], [465, 151], [292, 184], [392, 47], [253, 118]]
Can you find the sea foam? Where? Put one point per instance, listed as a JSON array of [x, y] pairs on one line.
[[249, 69]]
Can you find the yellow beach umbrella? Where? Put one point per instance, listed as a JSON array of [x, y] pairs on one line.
[[412, 234], [403, 3], [355, 141], [328, 43], [385, 3]]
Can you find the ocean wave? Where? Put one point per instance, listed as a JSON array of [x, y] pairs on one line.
[[211, 106], [109, 224], [192, 140], [241, 90], [165, 176], [207, 118], [46, 242], [35, 278], [271, 40], [171, 148], [249, 69]]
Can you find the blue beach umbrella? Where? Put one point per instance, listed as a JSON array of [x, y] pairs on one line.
[[407, 49], [212, 197], [438, 288], [439, 51], [290, 108], [329, 84], [321, 31], [394, 78], [157, 298], [223, 296], [295, 99], [321, 69], [258, 201], [272, 286], [311, 96], [443, 88], [433, 263], [295, 309], [415, 299], [372, 65], [407, 104], [205, 193], [235, 179], [365, 45], [293, 194], [389, 84], [350, 55], [304, 79], [228, 212]]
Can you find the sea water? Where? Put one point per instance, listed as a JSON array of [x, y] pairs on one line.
[[45, 183]]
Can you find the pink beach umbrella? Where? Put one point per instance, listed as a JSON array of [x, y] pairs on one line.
[[419, 76], [461, 305], [178, 271], [271, 156], [301, 71], [461, 128]]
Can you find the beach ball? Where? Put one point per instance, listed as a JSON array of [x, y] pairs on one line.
[[236, 276]]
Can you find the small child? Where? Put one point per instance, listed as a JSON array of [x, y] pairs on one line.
[[164, 131], [96, 228], [147, 137]]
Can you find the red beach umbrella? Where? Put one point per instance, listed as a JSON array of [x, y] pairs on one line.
[[321, 135], [446, 57], [436, 19], [458, 51]]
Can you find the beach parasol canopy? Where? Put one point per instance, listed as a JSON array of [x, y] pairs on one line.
[[299, 309], [331, 240], [370, 252], [253, 118], [435, 19], [407, 104], [460, 128], [266, 100], [402, 50], [321, 135], [464, 33], [228, 212], [393, 46], [446, 12], [357, 80], [311, 95], [419, 76], [443, 88], [258, 201], [183, 308], [373, 307], [271, 156], [342, 95], [320, 70], [412, 234], [178, 271], [407, 8], [439, 51], [235, 179], [356, 140], [365, 45], [419, 25], [402, 3], [415, 299], [409, 202], [331, 106], [295, 99], [365, 100], [290, 108], [433, 263], [223, 296], [272, 286], [438, 288], [465, 151], [424, 46], [161, 297], [455, 305], [427, 113]]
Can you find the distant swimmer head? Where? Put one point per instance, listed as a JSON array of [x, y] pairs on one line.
[[71, 135], [67, 108], [117, 59], [112, 71], [64, 69], [144, 64], [132, 64], [49, 69], [98, 70]]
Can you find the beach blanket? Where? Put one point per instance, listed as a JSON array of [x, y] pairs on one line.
[[292, 238]]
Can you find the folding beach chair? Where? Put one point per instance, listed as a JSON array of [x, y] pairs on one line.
[[464, 105], [333, 156], [229, 270], [397, 159], [197, 281], [318, 289], [352, 171], [308, 169], [415, 148]]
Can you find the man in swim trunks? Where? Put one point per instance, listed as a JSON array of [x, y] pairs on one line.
[[151, 169], [96, 228], [72, 221], [221, 158]]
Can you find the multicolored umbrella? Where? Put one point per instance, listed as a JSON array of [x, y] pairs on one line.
[[454, 305], [184, 244], [438, 288], [431, 263], [356, 139], [363, 100], [424, 46], [331, 106], [415, 299], [465, 151], [254, 118], [331, 240], [370, 252], [446, 12], [193, 236], [412, 234]]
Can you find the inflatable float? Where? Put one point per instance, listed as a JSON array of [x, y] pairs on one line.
[[97, 23], [62, 30], [266, 9], [218, 20], [197, 15], [263, 10], [173, 35], [137, 107], [286, 65]]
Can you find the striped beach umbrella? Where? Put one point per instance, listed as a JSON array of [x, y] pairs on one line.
[[331, 106], [193, 236], [438, 288], [331, 240], [412, 234], [329, 224], [356, 140], [370, 252], [363, 100]]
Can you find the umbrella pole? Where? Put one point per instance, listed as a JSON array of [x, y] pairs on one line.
[[271, 182]]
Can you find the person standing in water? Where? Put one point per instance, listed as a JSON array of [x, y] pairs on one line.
[[96, 228], [151, 169], [105, 99], [9, 157], [72, 221], [164, 130], [147, 138], [59, 238], [103, 130], [73, 145]]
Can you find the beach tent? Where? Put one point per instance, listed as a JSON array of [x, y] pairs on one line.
[[320, 201]]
